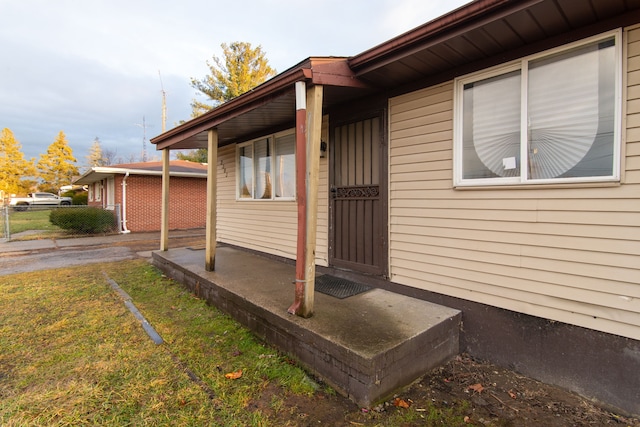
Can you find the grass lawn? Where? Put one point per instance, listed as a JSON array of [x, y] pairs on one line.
[[32, 219], [72, 354]]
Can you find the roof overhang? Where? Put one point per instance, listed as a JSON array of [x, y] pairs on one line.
[[484, 33], [477, 35], [270, 106], [96, 174]]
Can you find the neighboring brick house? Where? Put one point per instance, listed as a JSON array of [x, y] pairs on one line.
[[135, 190]]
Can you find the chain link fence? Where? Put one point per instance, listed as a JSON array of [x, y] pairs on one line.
[[36, 222], [4, 223]]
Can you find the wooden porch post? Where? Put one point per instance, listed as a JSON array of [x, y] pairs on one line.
[[164, 218], [314, 132], [212, 190], [308, 132]]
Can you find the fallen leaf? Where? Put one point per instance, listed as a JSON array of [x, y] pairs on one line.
[[476, 387], [234, 375], [400, 403], [268, 356]]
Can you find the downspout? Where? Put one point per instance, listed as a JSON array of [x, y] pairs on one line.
[[301, 195], [124, 204]]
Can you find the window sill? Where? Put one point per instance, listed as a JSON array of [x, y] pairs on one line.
[[278, 200], [539, 186]]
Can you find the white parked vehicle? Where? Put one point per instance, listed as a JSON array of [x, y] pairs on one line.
[[38, 199]]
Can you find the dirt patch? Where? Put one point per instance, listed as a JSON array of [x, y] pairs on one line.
[[462, 392]]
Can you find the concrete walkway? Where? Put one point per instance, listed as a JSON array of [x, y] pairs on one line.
[[21, 256], [16, 247]]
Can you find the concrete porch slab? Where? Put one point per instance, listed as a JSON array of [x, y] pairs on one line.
[[366, 347]]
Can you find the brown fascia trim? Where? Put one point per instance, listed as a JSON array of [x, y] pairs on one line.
[[235, 107], [321, 71], [436, 31], [335, 73]]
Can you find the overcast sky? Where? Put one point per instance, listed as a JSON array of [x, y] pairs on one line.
[[91, 67]]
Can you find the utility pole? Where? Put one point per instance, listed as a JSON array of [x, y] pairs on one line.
[[164, 104], [144, 139]]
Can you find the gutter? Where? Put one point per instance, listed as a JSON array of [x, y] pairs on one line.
[[88, 179], [124, 204], [233, 108], [433, 32]]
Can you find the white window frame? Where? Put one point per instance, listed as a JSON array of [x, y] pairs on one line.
[[97, 194], [522, 65], [272, 138]]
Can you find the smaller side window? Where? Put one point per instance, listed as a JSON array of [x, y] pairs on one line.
[[245, 172], [98, 191], [285, 179], [263, 188], [266, 168]]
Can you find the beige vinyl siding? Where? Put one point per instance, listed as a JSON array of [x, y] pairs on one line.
[[568, 254], [268, 226]]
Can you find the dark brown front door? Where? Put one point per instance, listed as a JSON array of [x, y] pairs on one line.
[[358, 196]]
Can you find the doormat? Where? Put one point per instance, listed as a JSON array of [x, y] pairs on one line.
[[338, 287]]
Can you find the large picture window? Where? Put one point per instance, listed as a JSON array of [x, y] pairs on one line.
[[546, 119], [266, 168]]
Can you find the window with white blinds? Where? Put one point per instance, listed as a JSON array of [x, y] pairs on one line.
[[546, 119], [285, 179], [266, 168]]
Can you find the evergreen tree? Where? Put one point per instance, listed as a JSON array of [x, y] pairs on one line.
[[96, 156], [57, 167], [14, 169], [242, 69]]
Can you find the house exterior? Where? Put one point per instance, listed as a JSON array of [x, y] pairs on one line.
[[136, 190], [488, 160]]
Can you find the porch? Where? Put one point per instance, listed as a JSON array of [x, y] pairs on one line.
[[365, 346]]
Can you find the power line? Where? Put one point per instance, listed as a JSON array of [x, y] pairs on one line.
[[144, 138], [164, 104]]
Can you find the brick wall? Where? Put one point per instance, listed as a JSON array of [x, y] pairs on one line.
[[187, 202]]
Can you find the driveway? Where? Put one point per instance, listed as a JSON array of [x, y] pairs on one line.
[[32, 255]]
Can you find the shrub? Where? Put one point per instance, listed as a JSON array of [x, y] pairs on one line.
[[78, 197], [83, 220]]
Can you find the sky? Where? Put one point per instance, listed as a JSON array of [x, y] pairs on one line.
[[98, 68]]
